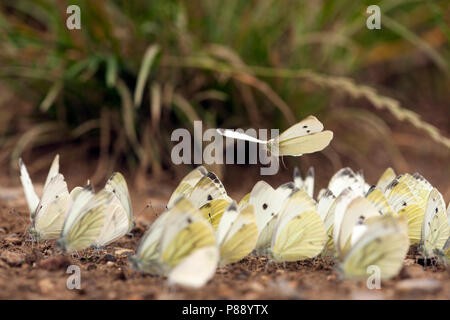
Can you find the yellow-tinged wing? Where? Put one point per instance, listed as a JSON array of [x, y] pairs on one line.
[[303, 144], [244, 201], [386, 178], [48, 219], [147, 257], [307, 126], [329, 250], [268, 203], [357, 212], [207, 189], [377, 198], [187, 184], [400, 195], [240, 238], [86, 230], [301, 238], [118, 186], [84, 221], [213, 211], [185, 231], [414, 215], [384, 245], [435, 228]]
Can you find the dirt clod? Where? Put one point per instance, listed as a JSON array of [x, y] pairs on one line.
[[54, 263], [14, 259]]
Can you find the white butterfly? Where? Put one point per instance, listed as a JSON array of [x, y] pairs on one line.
[[195, 270], [299, 232], [435, 227], [85, 219], [237, 233], [307, 136], [118, 213], [170, 246], [267, 203], [352, 224], [383, 243], [325, 200], [48, 213], [187, 184]]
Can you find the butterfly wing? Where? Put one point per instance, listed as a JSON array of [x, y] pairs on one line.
[[356, 213], [384, 244], [386, 178], [435, 228], [27, 184], [378, 199], [185, 232], [213, 211], [48, 220], [187, 184], [302, 144], [239, 136], [307, 126], [116, 223], [343, 179], [324, 203], [196, 269], [118, 186], [54, 170], [87, 214], [208, 188], [239, 237]]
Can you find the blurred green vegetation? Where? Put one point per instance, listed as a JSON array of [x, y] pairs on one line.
[[139, 69]]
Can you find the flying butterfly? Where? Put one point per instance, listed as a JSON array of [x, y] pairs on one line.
[[307, 136]]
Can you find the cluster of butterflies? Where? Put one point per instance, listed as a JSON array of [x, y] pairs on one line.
[[359, 225], [79, 219], [204, 228]]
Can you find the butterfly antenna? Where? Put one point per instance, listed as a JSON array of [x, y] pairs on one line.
[[147, 206]]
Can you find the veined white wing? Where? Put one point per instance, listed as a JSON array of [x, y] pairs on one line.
[[28, 188], [239, 136]]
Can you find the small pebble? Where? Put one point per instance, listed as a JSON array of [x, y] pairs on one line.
[[13, 258], [419, 286], [109, 257]]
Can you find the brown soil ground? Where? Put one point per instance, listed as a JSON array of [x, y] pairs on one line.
[[35, 271]]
